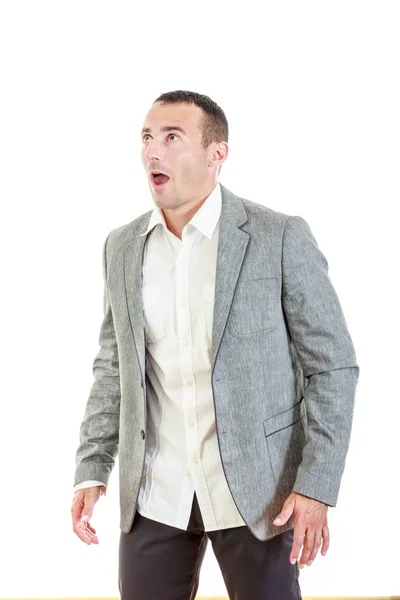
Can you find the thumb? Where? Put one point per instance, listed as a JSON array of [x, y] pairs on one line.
[[286, 511], [87, 513]]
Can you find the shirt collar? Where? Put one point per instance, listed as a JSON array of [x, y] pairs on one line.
[[205, 219]]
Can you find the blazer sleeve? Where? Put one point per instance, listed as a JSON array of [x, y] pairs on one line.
[[99, 430], [319, 333]]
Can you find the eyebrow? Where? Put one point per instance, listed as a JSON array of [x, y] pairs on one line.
[[165, 128]]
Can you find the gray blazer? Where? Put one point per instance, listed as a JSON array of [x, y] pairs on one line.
[[284, 369]]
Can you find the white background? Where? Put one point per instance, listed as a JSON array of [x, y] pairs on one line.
[[311, 94]]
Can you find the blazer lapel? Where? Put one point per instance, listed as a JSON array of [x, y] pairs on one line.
[[232, 246]]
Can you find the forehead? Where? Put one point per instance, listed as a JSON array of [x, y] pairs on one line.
[[163, 118]]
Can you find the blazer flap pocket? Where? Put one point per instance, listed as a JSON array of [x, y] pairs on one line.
[[285, 419]]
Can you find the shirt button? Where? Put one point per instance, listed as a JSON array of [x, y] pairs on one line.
[[189, 382], [191, 423], [142, 434]]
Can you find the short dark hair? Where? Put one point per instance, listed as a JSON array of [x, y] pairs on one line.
[[213, 125]]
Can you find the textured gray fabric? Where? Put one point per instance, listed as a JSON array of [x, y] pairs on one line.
[[284, 369]]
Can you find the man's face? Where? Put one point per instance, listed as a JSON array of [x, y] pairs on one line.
[[177, 153]]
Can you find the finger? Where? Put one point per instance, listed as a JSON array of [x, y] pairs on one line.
[[308, 546], [91, 529], [314, 551], [286, 512], [89, 536], [92, 538], [81, 528], [298, 538], [82, 534], [90, 532], [326, 537]]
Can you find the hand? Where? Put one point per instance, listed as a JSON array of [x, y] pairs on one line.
[[311, 521], [82, 510]]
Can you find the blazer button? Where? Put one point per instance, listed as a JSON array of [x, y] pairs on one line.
[[142, 434]]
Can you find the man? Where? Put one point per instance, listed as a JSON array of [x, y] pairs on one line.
[[225, 378]]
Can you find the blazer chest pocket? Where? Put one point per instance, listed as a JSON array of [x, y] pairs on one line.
[[154, 325], [254, 307], [285, 437]]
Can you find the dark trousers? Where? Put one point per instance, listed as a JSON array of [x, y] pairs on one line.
[[160, 562]]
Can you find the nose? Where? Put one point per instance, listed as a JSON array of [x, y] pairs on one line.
[[153, 151]]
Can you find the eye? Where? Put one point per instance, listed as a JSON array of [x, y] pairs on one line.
[[147, 135]]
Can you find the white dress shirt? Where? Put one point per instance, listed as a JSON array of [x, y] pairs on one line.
[[182, 453]]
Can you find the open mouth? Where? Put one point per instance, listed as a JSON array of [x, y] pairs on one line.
[[159, 179]]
